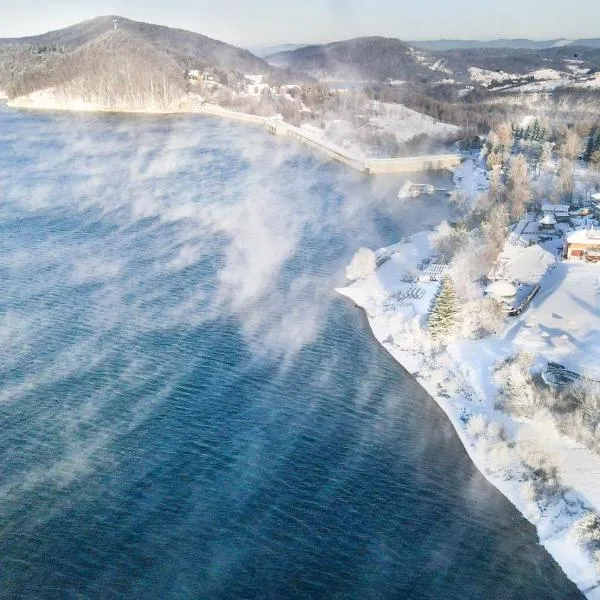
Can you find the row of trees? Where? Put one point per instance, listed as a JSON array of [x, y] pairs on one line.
[[535, 133]]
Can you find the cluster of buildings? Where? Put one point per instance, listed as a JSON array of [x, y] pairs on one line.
[[252, 85], [578, 228], [554, 231]]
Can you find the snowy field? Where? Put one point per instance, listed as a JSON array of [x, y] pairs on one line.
[[562, 324], [395, 119], [405, 123]]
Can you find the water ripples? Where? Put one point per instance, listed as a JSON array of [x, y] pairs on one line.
[[189, 411]]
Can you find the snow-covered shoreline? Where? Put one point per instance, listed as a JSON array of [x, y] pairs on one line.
[[459, 379], [38, 101]]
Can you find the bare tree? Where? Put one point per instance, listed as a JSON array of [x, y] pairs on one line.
[[565, 182], [504, 134], [519, 188], [496, 189], [494, 232]]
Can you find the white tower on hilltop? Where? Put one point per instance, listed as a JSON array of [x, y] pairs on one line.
[[116, 24]]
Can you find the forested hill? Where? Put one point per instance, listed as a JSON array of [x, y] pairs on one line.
[[116, 58], [184, 44], [365, 58]]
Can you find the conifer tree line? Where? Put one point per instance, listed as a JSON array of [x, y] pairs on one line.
[[443, 314], [591, 154], [533, 133]]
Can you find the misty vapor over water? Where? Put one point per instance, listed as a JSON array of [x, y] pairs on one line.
[[189, 411]]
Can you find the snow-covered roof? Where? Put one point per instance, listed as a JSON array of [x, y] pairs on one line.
[[548, 219], [555, 208], [256, 79], [502, 289], [581, 236], [596, 196]]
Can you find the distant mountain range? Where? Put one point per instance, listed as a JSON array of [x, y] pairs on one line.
[[442, 45], [381, 59], [263, 51]]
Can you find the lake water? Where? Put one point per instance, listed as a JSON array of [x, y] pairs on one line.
[[187, 408]]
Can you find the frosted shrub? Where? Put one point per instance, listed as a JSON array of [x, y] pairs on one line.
[[586, 394], [596, 559], [529, 491], [500, 457], [495, 431], [362, 265], [586, 531], [518, 393], [448, 240], [543, 474], [577, 412], [481, 318], [477, 426]]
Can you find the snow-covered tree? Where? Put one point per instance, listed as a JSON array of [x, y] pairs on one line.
[[496, 189], [563, 190], [595, 160], [494, 159], [494, 230], [444, 311], [362, 265], [572, 146], [480, 318], [504, 134], [545, 153]]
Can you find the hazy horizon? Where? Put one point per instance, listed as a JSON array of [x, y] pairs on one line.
[[268, 23]]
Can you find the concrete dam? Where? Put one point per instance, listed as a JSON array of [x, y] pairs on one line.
[[370, 166]]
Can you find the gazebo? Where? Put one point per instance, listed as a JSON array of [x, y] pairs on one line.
[[548, 222]]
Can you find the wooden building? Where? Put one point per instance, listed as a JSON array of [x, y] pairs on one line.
[[583, 244]]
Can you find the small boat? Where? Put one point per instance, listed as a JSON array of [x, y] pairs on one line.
[[414, 190]]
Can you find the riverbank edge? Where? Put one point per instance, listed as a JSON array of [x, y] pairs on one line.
[[274, 125], [556, 543]]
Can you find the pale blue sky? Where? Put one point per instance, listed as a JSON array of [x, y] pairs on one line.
[[266, 22]]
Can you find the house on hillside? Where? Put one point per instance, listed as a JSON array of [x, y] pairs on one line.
[[583, 244], [254, 85], [559, 211]]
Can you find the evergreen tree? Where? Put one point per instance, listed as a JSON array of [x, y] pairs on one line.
[[589, 147], [535, 134], [519, 133], [595, 160], [444, 311]]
